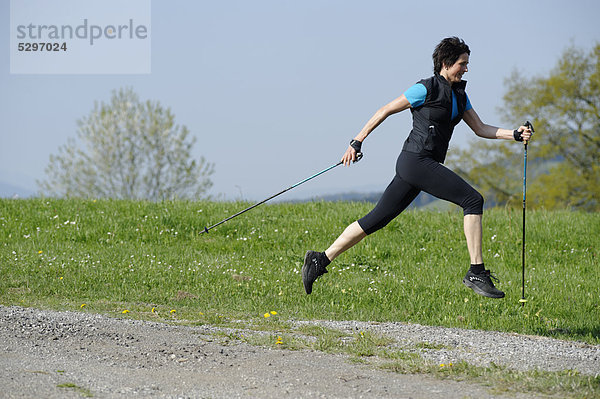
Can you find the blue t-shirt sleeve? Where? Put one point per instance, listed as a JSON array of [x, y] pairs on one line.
[[469, 106], [416, 94]]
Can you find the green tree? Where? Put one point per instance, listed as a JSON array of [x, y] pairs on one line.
[[495, 169], [128, 149], [564, 107]]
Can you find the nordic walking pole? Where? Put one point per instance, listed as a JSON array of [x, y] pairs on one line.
[[206, 229], [530, 126]]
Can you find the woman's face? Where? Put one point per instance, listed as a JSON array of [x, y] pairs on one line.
[[454, 73]]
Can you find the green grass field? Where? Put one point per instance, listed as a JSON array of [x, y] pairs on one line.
[[148, 258]]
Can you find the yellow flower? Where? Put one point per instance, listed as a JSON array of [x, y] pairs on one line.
[[39, 252], [173, 310], [125, 311], [267, 315], [273, 312], [82, 305], [153, 310], [60, 278], [201, 314]]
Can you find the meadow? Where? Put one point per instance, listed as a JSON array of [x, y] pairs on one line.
[[144, 259]]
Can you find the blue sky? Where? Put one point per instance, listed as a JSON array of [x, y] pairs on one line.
[[275, 90]]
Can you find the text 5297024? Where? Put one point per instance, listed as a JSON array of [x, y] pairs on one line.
[[41, 46]]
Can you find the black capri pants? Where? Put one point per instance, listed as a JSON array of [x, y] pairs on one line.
[[416, 173]]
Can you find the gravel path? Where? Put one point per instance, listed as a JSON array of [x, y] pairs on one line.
[[520, 352], [74, 354]]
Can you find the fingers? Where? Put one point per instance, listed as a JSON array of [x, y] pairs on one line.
[[349, 156], [525, 133]]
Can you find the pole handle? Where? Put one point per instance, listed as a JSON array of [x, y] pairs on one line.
[[530, 126]]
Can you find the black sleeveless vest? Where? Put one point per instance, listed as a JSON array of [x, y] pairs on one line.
[[432, 123]]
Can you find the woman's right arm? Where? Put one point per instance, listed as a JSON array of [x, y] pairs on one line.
[[399, 104]]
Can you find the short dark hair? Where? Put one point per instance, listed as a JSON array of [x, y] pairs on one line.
[[448, 51]]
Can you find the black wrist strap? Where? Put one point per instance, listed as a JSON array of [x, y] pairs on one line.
[[356, 145], [517, 135]]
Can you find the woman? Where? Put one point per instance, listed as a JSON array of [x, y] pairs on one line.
[[437, 105]]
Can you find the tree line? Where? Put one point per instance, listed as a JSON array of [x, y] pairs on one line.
[[133, 149]]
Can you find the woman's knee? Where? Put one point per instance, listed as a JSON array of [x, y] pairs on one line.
[[370, 223], [473, 204]]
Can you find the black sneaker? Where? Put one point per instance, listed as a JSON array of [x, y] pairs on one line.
[[314, 266], [482, 284]]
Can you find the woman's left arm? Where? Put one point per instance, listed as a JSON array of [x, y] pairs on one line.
[[492, 132]]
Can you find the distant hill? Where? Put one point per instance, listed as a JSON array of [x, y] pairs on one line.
[[11, 191], [423, 200]]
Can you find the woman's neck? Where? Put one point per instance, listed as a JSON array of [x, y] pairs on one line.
[[445, 77]]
